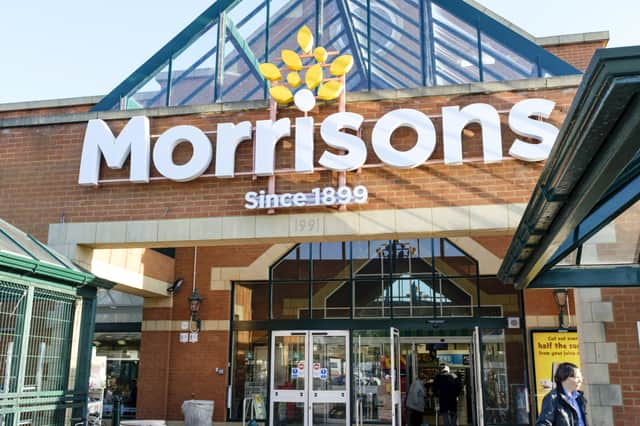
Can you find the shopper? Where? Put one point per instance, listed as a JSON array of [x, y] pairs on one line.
[[565, 405], [415, 401], [447, 388]]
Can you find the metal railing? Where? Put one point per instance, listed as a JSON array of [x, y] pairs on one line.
[[359, 412]]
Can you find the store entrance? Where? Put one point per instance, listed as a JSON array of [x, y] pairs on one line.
[[310, 378], [419, 357], [425, 358]]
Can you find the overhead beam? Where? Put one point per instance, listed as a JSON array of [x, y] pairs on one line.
[[243, 48], [589, 276], [599, 139]]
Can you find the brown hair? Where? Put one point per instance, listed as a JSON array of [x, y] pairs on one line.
[[563, 372]]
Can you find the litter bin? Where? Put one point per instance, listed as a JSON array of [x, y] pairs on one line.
[[197, 412]]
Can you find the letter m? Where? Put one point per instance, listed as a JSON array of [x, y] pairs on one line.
[[133, 140]]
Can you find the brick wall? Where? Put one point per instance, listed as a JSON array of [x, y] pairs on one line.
[[623, 332], [172, 372], [577, 54], [59, 110], [40, 170]]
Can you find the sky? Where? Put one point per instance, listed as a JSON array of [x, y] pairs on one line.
[[70, 48]]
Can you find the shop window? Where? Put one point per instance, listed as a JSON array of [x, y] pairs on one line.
[[250, 301], [294, 266], [330, 260], [290, 300], [372, 298], [250, 368], [374, 279], [497, 299], [503, 375], [450, 260], [122, 352], [331, 299]]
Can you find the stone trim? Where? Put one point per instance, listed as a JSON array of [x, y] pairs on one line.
[[176, 325], [596, 354], [51, 103], [573, 38], [283, 228]]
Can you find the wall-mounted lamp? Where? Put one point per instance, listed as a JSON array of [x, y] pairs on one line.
[[194, 306], [560, 296]]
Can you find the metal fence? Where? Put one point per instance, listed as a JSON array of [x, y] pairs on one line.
[[36, 341]]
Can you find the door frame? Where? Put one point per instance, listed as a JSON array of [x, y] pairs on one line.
[[308, 395]]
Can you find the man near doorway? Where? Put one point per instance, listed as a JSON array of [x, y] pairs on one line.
[[415, 401], [447, 388]]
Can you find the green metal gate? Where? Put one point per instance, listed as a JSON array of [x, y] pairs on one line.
[[36, 338]]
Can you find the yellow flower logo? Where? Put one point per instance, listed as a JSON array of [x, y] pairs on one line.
[[328, 88]]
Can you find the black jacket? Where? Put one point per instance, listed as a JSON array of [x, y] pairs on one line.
[[558, 411]]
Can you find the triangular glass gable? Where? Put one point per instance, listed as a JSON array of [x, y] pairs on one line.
[[395, 44]]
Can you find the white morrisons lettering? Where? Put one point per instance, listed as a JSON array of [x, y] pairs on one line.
[[134, 142]]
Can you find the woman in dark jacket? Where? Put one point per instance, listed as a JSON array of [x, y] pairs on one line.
[[564, 405]]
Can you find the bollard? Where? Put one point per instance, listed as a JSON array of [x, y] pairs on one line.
[[115, 416]]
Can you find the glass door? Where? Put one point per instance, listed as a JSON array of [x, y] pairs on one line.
[[288, 402], [476, 376], [396, 399], [310, 378], [330, 378]]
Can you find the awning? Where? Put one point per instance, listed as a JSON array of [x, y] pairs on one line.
[[581, 227]]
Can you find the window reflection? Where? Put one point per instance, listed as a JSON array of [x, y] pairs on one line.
[[414, 278]]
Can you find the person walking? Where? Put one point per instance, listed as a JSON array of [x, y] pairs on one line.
[[415, 401], [565, 405], [447, 388]]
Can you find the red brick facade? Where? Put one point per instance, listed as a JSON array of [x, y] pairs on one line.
[[623, 331], [41, 164], [39, 187], [577, 54]]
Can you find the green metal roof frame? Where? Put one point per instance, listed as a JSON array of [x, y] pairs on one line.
[[195, 29], [44, 270], [359, 42], [591, 176], [25, 262]]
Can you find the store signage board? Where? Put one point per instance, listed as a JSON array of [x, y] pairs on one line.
[[134, 142], [550, 348]]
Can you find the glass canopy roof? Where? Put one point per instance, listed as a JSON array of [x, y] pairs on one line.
[[21, 252], [395, 44], [17, 243], [616, 243]]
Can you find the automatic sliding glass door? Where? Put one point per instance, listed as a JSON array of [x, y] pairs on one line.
[[310, 378]]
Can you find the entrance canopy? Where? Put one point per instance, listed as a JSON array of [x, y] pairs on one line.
[[21, 253], [581, 227], [395, 44]]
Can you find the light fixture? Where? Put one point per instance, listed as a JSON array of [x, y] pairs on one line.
[[560, 296], [121, 342], [194, 306], [173, 288]]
